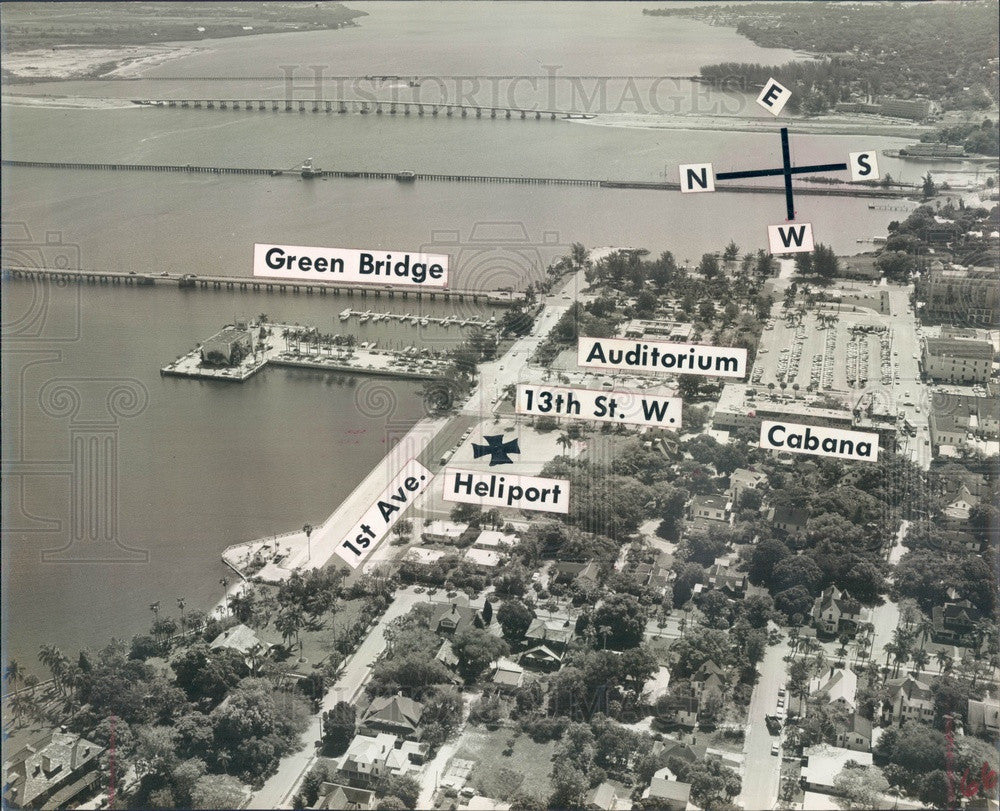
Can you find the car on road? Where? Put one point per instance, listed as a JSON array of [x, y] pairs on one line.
[[782, 693], [775, 749]]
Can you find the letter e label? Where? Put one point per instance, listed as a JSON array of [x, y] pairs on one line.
[[774, 97]]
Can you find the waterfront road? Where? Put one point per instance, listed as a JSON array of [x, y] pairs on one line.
[[761, 769], [277, 792]]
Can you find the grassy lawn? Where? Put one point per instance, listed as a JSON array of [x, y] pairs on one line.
[[317, 643], [499, 775]]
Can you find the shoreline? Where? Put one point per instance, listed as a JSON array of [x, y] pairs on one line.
[[70, 63]]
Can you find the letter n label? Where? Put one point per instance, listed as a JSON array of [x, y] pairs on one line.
[[790, 238], [697, 177]]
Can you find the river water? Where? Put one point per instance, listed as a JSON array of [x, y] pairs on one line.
[[204, 465]]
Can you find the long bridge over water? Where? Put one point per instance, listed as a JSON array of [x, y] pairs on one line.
[[63, 276], [363, 107], [651, 185]]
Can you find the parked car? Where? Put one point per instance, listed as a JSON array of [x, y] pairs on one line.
[[775, 749]]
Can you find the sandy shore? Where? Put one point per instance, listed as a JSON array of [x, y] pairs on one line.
[[827, 125], [68, 62]]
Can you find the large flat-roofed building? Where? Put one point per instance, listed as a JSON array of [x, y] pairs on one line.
[[916, 109], [958, 360], [658, 330], [743, 406], [228, 347], [969, 296]]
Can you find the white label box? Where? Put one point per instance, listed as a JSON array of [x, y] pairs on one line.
[[624, 407], [492, 489], [661, 356], [817, 440], [303, 263]]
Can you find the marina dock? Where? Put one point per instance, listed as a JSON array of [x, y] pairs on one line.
[[281, 347], [415, 319]]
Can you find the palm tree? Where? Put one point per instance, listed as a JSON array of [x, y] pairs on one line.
[[793, 638], [564, 441], [308, 530], [54, 660], [920, 659], [289, 624], [13, 673], [943, 660], [181, 604], [925, 627], [603, 631], [255, 655]]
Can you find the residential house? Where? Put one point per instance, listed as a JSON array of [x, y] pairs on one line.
[[823, 763], [855, 733], [708, 508], [788, 519], [452, 618], [707, 679], [397, 715], [909, 700], [553, 631], [742, 480], [542, 657], [984, 717], [835, 611], [52, 771], [722, 575], [486, 560], [368, 759], [497, 541], [336, 797], [953, 621], [446, 655], [569, 571], [667, 792], [244, 641], [608, 796], [507, 675], [681, 710], [424, 556], [445, 532], [839, 685]]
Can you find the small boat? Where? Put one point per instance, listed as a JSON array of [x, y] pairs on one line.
[[345, 313], [424, 322], [366, 316]]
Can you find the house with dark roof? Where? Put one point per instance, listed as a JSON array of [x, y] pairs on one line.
[[722, 575], [835, 611], [909, 700], [53, 770], [953, 621], [550, 632], [452, 618], [708, 678], [397, 715], [788, 519], [570, 571], [542, 657], [335, 797], [855, 732]]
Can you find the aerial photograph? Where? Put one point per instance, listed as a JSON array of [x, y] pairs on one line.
[[500, 406]]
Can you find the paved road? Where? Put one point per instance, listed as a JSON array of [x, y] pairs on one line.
[[278, 790], [761, 769]]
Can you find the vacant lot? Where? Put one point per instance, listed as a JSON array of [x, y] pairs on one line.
[[498, 774]]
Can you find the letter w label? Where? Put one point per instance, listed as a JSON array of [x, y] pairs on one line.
[[791, 238], [697, 177]]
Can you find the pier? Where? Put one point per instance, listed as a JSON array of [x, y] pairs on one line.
[[364, 107], [188, 281], [297, 347], [646, 185], [421, 320]]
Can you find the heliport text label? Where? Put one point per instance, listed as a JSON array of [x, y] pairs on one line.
[[506, 490], [302, 263]]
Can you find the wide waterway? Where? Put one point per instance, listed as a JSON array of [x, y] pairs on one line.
[[205, 465]]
